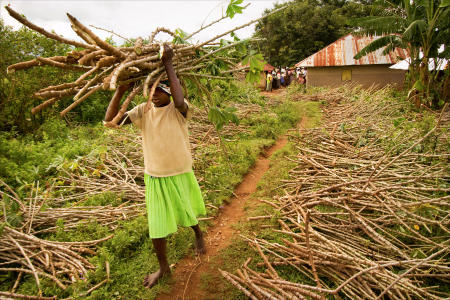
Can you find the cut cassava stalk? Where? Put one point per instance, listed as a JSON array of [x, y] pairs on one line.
[[240, 27], [35, 62], [210, 24], [74, 104], [22, 296], [152, 91], [42, 31], [95, 39], [50, 62], [352, 234], [139, 64], [110, 31], [149, 79], [48, 257], [115, 121], [158, 30], [88, 57], [57, 93], [96, 78]]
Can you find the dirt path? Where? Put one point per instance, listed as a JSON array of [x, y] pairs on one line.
[[187, 274], [274, 93], [188, 271]]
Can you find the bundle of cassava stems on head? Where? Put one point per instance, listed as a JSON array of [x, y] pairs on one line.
[[105, 67]]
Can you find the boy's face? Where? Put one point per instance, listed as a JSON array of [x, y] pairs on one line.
[[160, 98]]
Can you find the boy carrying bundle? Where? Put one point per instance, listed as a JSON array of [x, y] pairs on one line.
[[172, 194]]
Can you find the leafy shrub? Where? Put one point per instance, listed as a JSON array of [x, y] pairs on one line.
[[31, 157]]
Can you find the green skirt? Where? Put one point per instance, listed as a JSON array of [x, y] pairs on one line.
[[171, 201]]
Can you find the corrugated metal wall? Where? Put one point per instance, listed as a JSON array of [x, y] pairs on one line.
[[367, 76]]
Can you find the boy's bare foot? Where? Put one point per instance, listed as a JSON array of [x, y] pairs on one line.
[[200, 245], [151, 279]]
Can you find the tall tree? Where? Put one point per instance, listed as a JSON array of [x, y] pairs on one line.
[[306, 27], [16, 88]]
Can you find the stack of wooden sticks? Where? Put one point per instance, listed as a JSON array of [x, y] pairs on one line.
[[105, 67], [358, 220]]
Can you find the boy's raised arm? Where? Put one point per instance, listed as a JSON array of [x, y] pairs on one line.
[[113, 107], [175, 86]]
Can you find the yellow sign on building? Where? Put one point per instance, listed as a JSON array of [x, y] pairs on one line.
[[346, 75]]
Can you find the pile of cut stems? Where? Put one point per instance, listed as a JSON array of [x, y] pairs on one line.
[[360, 219]]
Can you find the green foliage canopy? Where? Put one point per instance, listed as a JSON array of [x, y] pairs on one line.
[[305, 27], [420, 27], [16, 89]]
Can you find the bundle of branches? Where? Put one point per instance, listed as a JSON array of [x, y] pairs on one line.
[[33, 214], [60, 262], [45, 221], [105, 66], [359, 221], [114, 171], [22, 252]]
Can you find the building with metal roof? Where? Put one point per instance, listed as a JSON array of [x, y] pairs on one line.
[[334, 64]]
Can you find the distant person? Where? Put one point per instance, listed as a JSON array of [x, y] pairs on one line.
[[269, 79], [274, 80], [301, 79], [288, 76], [301, 76], [278, 79]]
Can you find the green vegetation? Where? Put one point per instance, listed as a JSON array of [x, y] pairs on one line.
[[420, 27], [25, 159], [232, 257], [56, 146], [306, 27]]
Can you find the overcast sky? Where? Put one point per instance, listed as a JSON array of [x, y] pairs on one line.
[[136, 18]]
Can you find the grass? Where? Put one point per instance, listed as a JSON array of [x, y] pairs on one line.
[[130, 252], [30, 158], [404, 122], [232, 257], [219, 181]]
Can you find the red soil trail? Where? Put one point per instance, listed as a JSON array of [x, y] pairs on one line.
[[187, 274]]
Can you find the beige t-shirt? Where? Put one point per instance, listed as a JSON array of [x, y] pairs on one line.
[[165, 139]]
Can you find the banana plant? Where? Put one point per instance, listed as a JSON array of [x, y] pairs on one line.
[[420, 27]]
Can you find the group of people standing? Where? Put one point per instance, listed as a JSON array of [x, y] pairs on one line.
[[282, 77]]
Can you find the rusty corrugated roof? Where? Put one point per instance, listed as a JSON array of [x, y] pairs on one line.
[[341, 53], [268, 67]]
